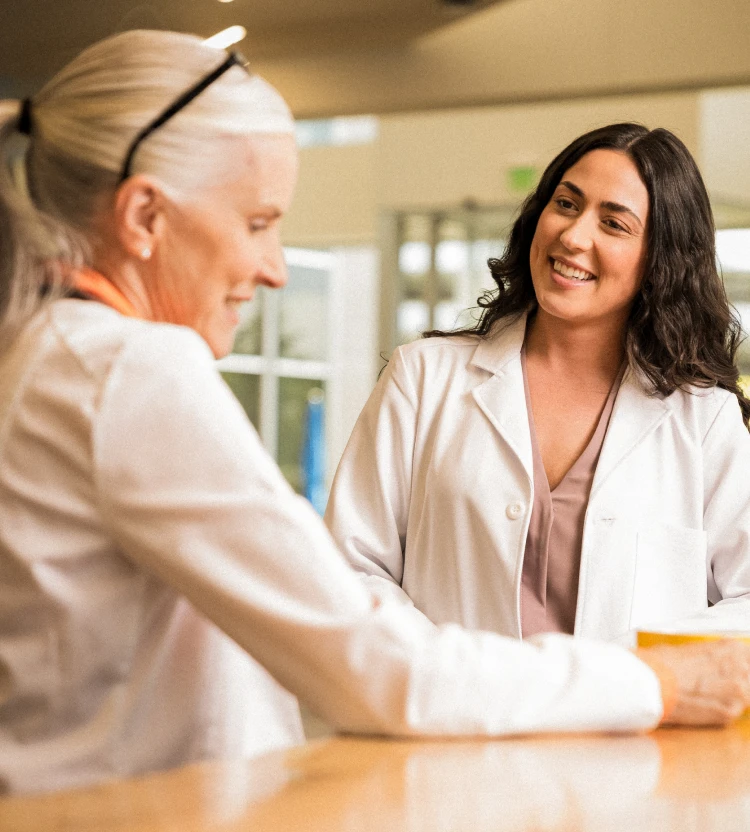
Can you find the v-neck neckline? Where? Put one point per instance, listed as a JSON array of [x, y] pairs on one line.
[[596, 437]]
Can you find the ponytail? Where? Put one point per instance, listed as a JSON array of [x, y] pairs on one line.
[[35, 248]]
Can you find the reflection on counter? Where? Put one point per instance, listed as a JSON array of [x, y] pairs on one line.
[[667, 781]]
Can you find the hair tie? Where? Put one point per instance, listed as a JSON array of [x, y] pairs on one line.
[[24, 118]]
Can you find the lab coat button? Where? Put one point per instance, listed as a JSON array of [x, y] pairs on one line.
[[514, 511]]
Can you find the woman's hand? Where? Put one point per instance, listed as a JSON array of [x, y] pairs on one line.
[[707, 682]]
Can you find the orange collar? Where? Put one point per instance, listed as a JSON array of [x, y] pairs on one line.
[[97, 286]]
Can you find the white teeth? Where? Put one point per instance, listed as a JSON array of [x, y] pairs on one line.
[[568, 271]]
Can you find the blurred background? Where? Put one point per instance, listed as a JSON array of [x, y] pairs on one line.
[[422, 125]]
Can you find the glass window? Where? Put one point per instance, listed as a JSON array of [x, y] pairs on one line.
[[289, 366], [246, 388], [337, 131], [442, 267], [280, 356], [452, 274], [412, 319], [303, 309], [248, 339], [295, 397], [733, 254]]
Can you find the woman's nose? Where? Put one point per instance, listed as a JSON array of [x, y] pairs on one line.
[[273, 272], [578, 235]]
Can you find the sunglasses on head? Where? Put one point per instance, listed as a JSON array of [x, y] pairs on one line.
[[234, 59]]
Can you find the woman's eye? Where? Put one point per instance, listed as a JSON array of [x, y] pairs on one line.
[[564, 203], [614, 224]]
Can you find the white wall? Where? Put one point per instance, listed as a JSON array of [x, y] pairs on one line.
[[724, 147], [353, 336], [336, 201], [437, 159], [443, 158]]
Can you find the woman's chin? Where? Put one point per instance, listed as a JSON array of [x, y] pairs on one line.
[[220, 343], [222, 349], [565, 308]]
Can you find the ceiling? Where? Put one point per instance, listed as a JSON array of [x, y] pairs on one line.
[[338, 57], [37, 37]]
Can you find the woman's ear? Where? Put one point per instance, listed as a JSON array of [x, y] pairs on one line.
[[139, 209]]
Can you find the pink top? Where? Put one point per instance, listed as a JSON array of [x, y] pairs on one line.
[[552, 559]]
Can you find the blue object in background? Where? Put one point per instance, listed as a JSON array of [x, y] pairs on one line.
[[313, 460]]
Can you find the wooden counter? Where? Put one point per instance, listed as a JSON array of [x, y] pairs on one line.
[[668, 781]]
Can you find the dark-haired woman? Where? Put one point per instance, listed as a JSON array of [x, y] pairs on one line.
[[578, 461]]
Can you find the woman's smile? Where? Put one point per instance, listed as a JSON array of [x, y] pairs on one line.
[[569, 276]]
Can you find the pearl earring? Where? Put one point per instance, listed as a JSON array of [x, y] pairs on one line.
[[145, 253]]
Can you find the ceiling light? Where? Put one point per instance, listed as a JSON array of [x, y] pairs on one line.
[[226, 1], [234, 34]]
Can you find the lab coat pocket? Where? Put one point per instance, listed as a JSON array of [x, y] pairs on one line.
[[670, 574]]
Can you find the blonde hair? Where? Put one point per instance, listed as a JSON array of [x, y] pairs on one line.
[[83, 122]]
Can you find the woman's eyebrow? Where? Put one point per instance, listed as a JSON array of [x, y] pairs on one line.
[[622, 209], [610, 206], [571, 187]]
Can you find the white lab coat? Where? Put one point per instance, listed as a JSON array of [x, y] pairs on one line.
[[140, 516], [432, 498]]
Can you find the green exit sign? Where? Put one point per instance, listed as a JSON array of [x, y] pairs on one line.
[[522, 179]]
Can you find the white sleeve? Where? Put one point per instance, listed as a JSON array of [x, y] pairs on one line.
[[190, 495], [726, 455], [368, 506]]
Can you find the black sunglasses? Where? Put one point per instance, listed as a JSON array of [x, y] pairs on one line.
[[234, 59]]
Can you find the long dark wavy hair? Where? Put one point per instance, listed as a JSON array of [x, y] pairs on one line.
[[681, 329]]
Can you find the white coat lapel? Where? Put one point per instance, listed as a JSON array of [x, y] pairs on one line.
[[501, 397], [634, 416]]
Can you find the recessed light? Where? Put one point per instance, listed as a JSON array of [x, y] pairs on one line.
[[226, 37], [226, 1]]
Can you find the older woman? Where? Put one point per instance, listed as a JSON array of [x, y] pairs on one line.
[[159, 581], [578, 461]]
